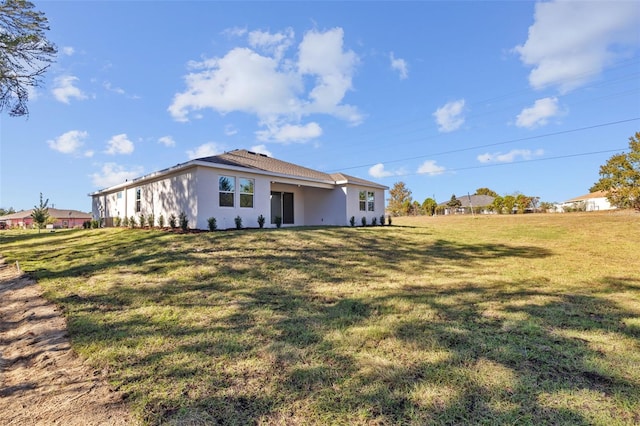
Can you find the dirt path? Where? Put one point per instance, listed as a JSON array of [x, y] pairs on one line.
[[42, 381]]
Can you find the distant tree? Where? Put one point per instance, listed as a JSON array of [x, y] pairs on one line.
[[416, 208], [454, 203], [400, 200], [25, 53], [620, 177], [546, 206], [429, 206], [486, 191], [498, 204], [508, 203], [40, 214], [523, 203], [4, 212]]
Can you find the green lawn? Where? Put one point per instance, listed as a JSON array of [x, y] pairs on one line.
[[524, 319]]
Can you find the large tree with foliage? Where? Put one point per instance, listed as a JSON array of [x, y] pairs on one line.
[[620, 177], [400, 200], [486, 191], [4, 211], [454, 203], [25, 53], [40, 214], [429, 206]]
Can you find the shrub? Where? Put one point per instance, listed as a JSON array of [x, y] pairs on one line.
[[161, 221], [212, 223], [172, 221], [382, 220], [238, 221], [184, 222], [86, 224], [278, 220], [389, 220], [117, 221], [151, 221], [132, 222], [143, 220], [352, 221], [374, 221], [364, 221], [95, 224], [125, 222], [261, 221]]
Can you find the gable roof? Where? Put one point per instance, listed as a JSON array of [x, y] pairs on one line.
[[473, 200], [589, 196], [259, 163], [55, 213]]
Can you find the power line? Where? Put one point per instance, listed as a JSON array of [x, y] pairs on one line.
[[562, 132]]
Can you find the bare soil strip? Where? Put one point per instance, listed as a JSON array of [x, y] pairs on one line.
[[42, 381]]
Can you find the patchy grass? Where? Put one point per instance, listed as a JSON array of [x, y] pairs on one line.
[[503, 319]]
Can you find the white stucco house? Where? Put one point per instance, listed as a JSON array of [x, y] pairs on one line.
[[246, 184], [593, 201]]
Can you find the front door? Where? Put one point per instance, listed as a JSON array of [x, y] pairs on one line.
[[282, 205]]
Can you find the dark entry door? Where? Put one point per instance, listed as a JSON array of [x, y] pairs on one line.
[[282, 205]]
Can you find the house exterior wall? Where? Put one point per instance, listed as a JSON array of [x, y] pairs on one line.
[[353, 204], [209, 205], [298, 203], [325, 207]]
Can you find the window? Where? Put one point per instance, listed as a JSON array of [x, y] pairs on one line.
[[138, 199], [363, 200], [371, 201], [119, 195], [246, 192], [226, 189]]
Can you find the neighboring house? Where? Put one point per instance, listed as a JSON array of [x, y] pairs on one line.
[[480, 203], [245, 184], [61, 218], [590, 202]]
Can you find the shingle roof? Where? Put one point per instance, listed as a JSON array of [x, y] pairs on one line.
[[591, 195], [475, 201], [55, 213], [252, 160]]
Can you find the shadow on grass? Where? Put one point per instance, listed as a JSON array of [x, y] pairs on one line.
[[249, 339]]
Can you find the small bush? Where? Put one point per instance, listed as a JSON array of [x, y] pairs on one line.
[[143, 220], [161, 221], [238, 221], [352, 221], [364, 221], [261, 221], [382, 220], [132, 222], [278, 221], [212, 223], [125, 222], [374, 221], [95, 224], [172, 221], [184, 222], [151, 221], [389, 220], [86, 224], [117, 221]]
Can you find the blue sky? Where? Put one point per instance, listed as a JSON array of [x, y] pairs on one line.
[[444, 96]]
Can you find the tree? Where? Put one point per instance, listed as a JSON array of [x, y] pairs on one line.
[[486, 191], [498, 204], [400, 199], [25, 53], [454, 203], [40, 214], [620, 177], [429, 206], [508, 203], [4, 212], [523, 203]]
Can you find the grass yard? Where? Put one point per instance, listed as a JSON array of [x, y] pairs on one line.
[[525, 319]]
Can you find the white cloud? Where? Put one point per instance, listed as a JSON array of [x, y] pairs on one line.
[[261, 149], [430, 168], [261, 81], [510, 157], [539, 113], [69, 142], [378, 171], [449, 117], [119, 144], [205, 150], [167, 141], [288, 133], [571, 42], [114, 174], [230, 130], [65, 90], [68, 50], [399, 65]]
